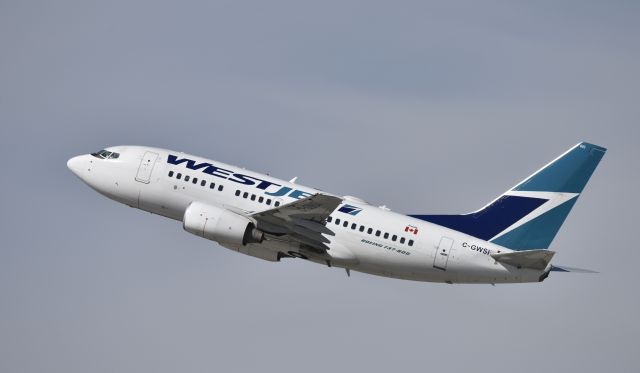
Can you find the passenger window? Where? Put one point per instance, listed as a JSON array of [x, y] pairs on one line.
[[269, 201], [277, 203], [212, 185], [401, 239], [220, 187], [186, 177], [378, 233], [345, 224], [170, 173], [370, 230], [329, 219], [195, 180], [362, 228], [203, 183], [245, 195], [394, 237], [386, 235], [337, 221], [179, 176], [410, 242], [253, 197], [237, 191], [261, 199], [354, 226]]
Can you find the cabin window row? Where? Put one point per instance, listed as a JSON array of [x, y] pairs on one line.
[[259, 199], [195, 180], [377, 233]]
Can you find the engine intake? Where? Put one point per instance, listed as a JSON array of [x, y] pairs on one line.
[[221, 225]]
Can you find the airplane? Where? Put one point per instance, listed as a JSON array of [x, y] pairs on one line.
[[506, 241]]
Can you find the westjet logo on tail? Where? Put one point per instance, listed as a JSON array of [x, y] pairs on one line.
[[239, 178]]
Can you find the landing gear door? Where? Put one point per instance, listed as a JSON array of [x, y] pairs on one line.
[[442, 255], [146, 167]]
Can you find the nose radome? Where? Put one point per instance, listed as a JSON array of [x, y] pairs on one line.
[[75, 164]]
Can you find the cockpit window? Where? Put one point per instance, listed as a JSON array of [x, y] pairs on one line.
[[105, 154]]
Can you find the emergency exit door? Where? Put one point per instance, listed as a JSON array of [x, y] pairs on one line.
[[442, 255], [146, 167]]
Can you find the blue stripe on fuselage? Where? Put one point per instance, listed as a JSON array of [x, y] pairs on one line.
[[491, 220]]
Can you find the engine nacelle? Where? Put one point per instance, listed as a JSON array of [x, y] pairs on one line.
[[221, 225]]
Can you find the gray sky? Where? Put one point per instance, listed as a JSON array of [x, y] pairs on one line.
[[427, 107]]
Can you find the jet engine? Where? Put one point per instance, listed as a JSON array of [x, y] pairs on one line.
[[221, 225]]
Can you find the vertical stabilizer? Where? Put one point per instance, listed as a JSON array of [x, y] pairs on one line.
[[529, 215]]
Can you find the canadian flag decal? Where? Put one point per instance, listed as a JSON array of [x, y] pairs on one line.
[[411, 229]]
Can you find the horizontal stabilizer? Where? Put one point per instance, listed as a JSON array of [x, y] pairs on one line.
[[534, 259], [571, 269]]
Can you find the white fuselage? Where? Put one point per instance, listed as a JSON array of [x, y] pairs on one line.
[[366, 238]]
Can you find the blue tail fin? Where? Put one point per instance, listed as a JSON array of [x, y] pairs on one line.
[[529, 215]]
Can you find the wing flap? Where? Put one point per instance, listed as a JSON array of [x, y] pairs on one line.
[[302, 220]]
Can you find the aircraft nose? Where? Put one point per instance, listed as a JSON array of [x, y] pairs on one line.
[[75, 164]]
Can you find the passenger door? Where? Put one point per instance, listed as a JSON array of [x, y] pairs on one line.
[[146, 167], [442, 255]]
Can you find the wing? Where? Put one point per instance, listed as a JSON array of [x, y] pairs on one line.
[[302, 220]]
